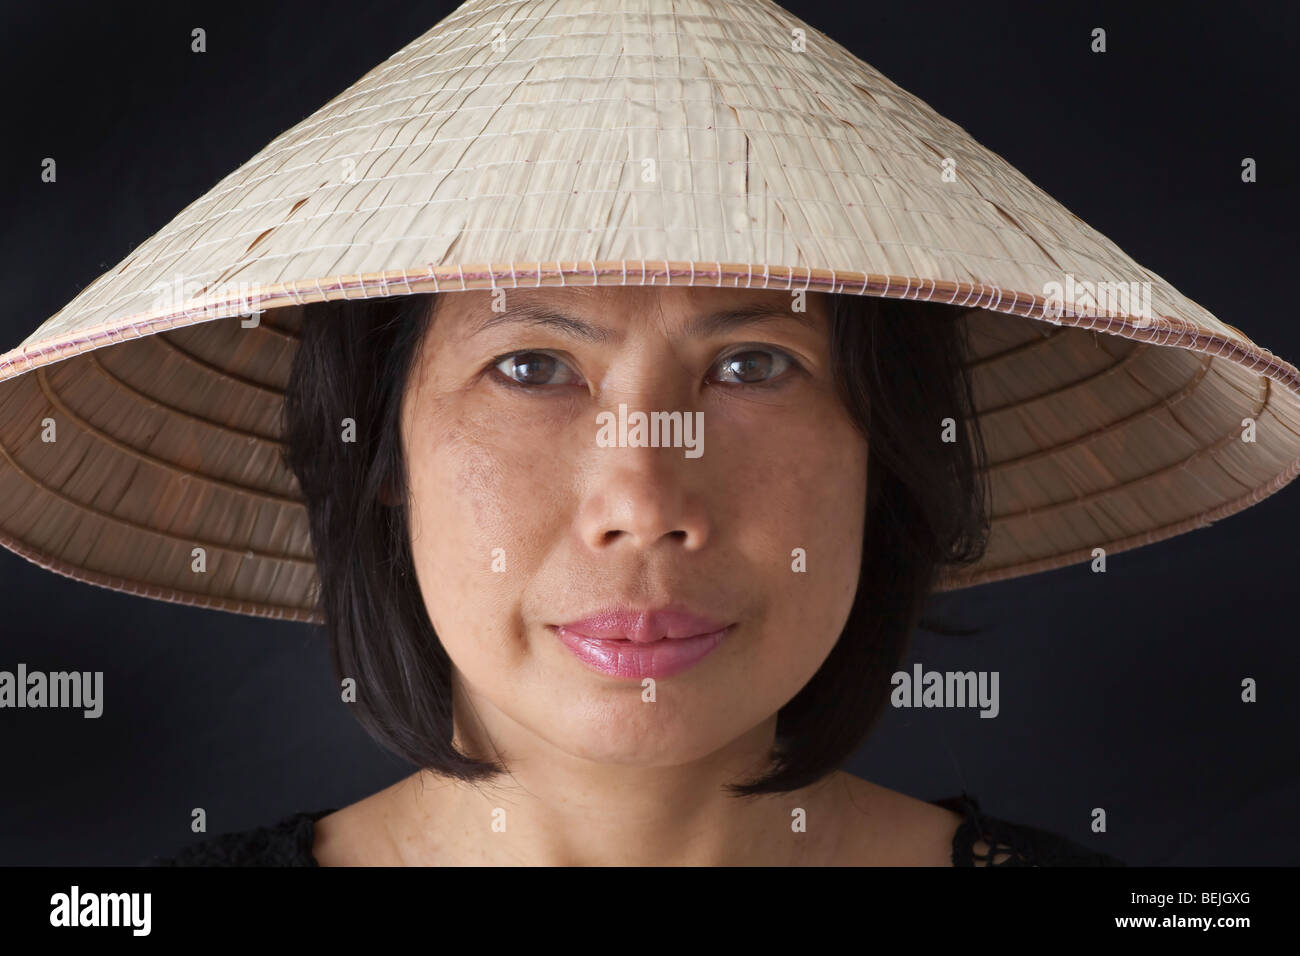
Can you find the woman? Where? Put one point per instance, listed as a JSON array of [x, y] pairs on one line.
[[593, 651], [564, 376]]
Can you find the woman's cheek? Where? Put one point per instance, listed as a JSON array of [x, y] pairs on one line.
[[802, 472], [491, 483], [805, 508]]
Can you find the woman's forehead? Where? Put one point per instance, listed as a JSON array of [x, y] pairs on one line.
[[622, 305]]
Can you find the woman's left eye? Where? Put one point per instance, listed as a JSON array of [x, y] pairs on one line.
[[753, 367]]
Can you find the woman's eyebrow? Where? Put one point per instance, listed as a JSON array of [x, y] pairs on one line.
[[724, 321], [702, 326]]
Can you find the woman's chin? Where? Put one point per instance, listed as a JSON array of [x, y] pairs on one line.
[[646, 754], [639, 739]]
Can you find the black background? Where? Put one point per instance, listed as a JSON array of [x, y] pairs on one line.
[[1118, 690]]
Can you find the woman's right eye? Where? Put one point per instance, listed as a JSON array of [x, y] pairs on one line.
[[535, 369]]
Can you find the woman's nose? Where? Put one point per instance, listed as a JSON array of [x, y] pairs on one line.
[[643, 497]]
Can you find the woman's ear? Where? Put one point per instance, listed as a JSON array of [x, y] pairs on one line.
[[386, 495]]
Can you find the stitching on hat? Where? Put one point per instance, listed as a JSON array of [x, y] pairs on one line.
[[132, 293], [1201, 452]]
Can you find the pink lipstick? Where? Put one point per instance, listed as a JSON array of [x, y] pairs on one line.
[[629, 643]]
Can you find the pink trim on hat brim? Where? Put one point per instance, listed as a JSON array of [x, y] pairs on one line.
[[1161, 330], [173, 596]]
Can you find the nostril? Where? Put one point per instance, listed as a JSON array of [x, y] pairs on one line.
[[610, 536]]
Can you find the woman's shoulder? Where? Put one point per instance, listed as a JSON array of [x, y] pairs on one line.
[[287, 842], [983, 840], [891, 828]]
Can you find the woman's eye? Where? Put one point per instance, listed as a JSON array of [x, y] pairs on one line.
[[536, 368], [753, 367]]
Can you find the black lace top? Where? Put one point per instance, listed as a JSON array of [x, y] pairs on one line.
[[980, 840]]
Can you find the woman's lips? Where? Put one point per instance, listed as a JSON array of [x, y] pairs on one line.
[[627, 643]]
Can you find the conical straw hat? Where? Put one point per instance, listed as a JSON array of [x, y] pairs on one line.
[[509, 146]]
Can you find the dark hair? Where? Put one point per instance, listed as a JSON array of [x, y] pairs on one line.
[[899, 370]]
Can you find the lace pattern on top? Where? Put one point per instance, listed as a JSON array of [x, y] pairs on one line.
[[982, 840], [985, 841]]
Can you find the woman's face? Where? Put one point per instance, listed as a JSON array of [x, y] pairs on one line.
[[536, 503]]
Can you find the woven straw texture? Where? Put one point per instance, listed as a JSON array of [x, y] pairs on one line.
[[625, 142]]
